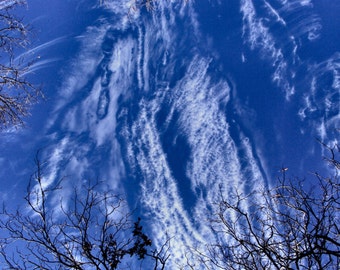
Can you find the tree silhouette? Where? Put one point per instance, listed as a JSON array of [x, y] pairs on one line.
[[94, 231], [16, 92], [290, 228]]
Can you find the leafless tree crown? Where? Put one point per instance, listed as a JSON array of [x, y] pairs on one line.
[[292, 227], [93, 231], [16, 92]]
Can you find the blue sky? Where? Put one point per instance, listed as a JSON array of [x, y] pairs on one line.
[[170, 105]]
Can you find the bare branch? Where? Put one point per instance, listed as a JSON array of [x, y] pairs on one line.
[[16, 92]]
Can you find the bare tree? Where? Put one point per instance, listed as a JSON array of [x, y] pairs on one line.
[[94, 231], [290, 228], [16, 92]]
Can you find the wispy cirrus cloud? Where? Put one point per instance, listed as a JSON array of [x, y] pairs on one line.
[[299, 25], [84, 117], [320, 106], [259, 37]]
